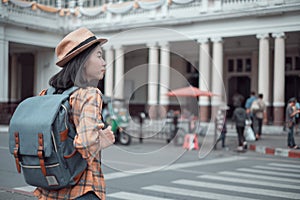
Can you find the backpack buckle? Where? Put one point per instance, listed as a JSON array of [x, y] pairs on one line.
[[16, 152]]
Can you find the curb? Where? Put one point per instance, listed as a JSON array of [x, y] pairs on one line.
[[275, 151]]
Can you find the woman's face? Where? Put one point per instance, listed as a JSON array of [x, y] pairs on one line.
[[95, 65]]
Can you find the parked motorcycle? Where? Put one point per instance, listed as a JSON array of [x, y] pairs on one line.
[[117, 116]]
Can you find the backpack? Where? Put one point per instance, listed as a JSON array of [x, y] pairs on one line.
[[41, 141], [240, 116], [255, 107]]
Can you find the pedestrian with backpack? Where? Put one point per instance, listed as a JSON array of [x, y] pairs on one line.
[[74, 92], [80, 56], [258, 109], [239, 117]]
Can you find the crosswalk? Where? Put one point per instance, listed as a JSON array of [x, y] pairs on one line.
[[269, 181]]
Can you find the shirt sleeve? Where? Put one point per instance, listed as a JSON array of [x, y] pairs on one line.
[[88, 105]]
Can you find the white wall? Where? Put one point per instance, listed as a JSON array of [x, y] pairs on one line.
[[45, 69]]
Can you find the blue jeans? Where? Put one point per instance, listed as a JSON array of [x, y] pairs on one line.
[[88, 196], [291, 140], [222, 137]]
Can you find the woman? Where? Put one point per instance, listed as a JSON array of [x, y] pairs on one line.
[[80, 56], [239, 117]]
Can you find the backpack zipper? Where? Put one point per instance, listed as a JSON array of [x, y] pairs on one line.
[[54, 142], [52, 134], [38, 166], [64, 107]]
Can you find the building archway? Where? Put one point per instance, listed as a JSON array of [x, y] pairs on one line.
[[241, 85]]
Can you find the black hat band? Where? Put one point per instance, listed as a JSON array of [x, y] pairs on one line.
[[82, 44]]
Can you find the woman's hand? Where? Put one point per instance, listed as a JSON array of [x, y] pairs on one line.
[[106, 137]]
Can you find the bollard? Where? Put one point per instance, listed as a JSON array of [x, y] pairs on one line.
[[141, 119]]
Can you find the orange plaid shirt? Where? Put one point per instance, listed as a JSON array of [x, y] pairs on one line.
[[86, 107]]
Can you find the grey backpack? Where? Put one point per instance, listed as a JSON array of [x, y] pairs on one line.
[[41, 140]]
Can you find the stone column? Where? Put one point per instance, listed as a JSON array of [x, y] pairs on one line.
[[3, 70], [59, 3], [164, 79], [153, 74], [204, 77], [109, 74], [264, 68], [217, 74], [204, 7], [14, 86], [153, 81], [164, 84], [119, 73], [279, 78]]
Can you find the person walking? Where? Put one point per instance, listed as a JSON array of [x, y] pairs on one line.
[[259, 115], [248, 104], [297, 116], [221, 126], [80, 58], [290, 121], [237, 99], [239, 117]]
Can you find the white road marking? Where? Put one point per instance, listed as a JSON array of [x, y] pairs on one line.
[[194, 193], [297, 166], [254, 176], [248, 190], [277, 169], [131, 196], [176, 166], [25, 188], [247, 181], [269, 172]]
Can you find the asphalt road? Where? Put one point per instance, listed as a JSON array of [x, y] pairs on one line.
[[156, 171]]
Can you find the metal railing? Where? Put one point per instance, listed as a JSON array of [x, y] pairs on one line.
[[197, 8]]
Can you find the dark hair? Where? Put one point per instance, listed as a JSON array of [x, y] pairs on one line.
[[253, 93], [292, 100], [261, 96], [66, 77]]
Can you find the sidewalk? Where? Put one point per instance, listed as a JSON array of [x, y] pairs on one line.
[[275, 145], [273, 142]]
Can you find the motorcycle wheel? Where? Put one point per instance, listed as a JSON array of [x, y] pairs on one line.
[[124, 138]]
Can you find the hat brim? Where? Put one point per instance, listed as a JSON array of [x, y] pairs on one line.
[[69, 57]]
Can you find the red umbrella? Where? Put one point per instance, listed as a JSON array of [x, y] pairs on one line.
[[190, 92]]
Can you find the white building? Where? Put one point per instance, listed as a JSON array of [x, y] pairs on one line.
[[157, 45]]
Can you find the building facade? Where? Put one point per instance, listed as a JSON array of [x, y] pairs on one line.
[[224, 46]]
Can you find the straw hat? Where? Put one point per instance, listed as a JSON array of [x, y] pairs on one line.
[[75, 43]]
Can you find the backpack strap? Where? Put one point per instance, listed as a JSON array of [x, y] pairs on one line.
[[16, 151], [70, 90], [51, 90], [40, 153]]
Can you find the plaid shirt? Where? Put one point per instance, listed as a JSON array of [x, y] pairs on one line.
[[86, 108]]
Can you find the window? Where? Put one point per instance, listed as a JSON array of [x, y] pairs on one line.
[[248, 65], [297, 63], [239, 65], [288, 63], [230, 65]]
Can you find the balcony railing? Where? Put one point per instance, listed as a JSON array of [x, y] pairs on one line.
[[110, 12]]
